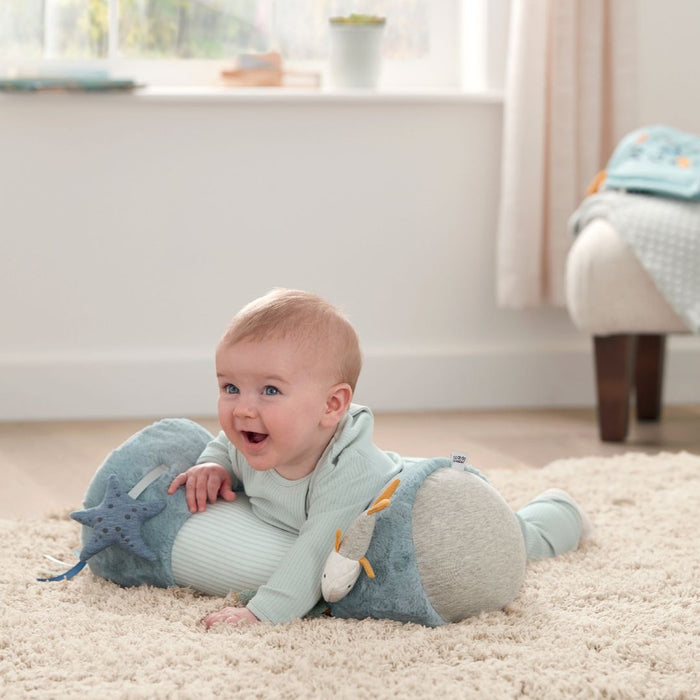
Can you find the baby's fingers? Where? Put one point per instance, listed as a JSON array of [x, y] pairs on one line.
[[196, 491], [178, 481], [225, 488], [218, 616], [226, 492], [213, 490], [231, 615]]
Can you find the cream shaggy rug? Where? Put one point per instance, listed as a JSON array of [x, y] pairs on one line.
[[620, 618]]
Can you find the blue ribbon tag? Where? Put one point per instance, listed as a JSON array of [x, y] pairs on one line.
[[68, 574]]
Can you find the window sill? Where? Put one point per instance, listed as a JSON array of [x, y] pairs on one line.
[[300, 95], [290, 95]]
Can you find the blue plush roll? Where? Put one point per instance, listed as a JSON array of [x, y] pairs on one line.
[[174, 443]]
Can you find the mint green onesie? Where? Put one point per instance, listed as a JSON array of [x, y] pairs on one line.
[[235, 548]]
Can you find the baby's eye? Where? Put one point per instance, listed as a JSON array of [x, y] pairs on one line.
[[231, 389], [271, 390]]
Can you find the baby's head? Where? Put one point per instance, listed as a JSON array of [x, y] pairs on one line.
[[287, 367], [316, 328]]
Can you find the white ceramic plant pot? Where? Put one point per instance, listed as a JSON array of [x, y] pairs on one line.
[[355, 54]]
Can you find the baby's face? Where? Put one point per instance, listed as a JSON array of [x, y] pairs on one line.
[[272, 399]]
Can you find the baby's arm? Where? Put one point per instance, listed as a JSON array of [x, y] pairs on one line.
[[296, 597], [337, 496], [204, 482]]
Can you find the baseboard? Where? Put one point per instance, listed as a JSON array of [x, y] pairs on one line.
[[477, 378], [106, 385], [156, 385]]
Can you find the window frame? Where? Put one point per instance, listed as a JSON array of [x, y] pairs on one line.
[[471, 59]]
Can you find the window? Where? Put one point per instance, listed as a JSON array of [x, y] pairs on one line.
[[189, 41]]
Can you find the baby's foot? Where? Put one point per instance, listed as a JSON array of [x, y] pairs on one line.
[[587, 530]]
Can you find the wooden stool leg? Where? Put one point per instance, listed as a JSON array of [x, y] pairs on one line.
[[614, 355], [649, 375]]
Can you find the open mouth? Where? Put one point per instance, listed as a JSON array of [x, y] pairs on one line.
[[254, 438]]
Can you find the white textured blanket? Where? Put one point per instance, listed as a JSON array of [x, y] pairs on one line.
[[664, 235], [619, 618]]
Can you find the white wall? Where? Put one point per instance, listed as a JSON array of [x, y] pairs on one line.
[[134, 227], [669, 53]]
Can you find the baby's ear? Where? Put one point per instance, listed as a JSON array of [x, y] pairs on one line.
[[337, 404]]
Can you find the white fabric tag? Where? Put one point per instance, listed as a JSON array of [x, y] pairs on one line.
[[460, 461], [147, 480]]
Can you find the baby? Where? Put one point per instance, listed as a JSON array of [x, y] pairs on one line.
[[287, 367], [303, 454]]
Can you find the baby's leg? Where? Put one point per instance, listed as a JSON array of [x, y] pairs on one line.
[[553, 523]]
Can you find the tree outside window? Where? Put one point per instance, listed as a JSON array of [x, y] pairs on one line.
[[197, 29]]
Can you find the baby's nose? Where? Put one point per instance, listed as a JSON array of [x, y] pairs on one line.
[[244, 408]]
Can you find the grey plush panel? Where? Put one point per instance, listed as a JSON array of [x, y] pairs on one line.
[[469, 547]]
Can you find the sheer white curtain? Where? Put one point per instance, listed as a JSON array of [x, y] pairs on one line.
[[570, 96]]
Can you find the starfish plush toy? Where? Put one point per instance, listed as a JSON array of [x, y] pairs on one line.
[[116, 520]]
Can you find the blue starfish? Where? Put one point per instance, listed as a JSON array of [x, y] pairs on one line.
[[117, 520]]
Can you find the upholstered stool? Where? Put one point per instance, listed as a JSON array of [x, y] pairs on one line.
[[611, 297]]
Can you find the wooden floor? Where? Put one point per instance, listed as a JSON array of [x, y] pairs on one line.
[[45, 467]]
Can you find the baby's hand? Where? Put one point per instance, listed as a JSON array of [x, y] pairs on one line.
[[232, 616], [203, 481]]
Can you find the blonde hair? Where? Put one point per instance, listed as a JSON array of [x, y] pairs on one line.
[[306, 318]]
